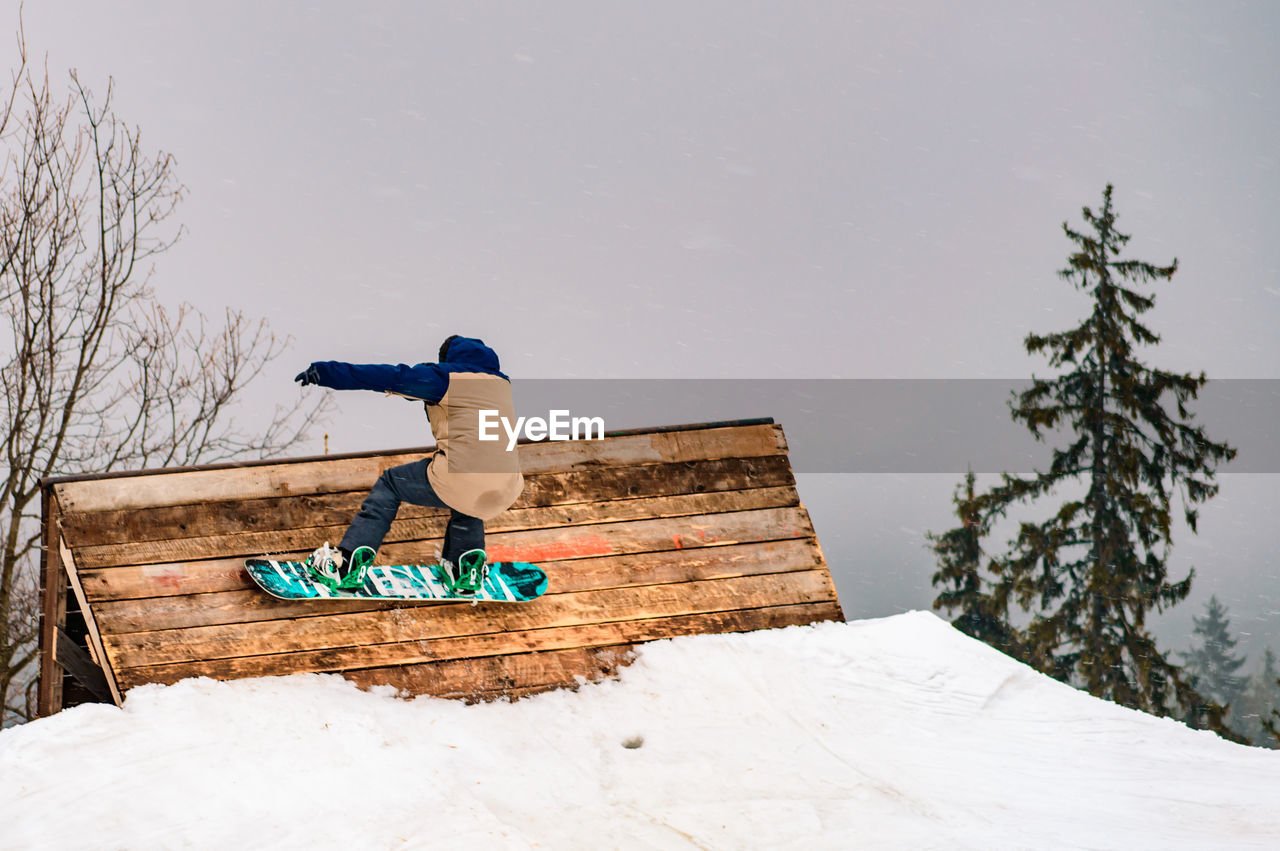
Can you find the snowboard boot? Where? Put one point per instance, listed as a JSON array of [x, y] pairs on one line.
[[357, 567], [339, 570], [468, 575]]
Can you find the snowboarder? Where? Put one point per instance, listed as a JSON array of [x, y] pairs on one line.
[[475, 479]]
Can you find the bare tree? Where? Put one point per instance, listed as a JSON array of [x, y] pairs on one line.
[[98, 374]]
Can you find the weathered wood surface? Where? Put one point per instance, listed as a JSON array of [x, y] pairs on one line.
[[643, 536], [567, 487], [490, 644], [312, 477], [514, 674], [227, 573], [411, 529], [241, 601], [160, 580], [452, 620]]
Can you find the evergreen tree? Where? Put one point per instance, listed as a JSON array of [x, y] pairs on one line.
[[1211, 664], [1271, 721], [959, 551], [1088, 576], [1257, 710]]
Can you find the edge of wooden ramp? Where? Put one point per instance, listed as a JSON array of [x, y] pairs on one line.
[[645, 535]]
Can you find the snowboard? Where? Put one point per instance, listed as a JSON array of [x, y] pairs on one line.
[[507, 582]]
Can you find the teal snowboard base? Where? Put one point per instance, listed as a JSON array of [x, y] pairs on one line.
[[507, 582]]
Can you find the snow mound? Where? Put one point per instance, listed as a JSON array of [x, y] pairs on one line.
[[899, 732]]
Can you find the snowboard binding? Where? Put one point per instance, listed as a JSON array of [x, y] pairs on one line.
[[467, 577], [331, 567]]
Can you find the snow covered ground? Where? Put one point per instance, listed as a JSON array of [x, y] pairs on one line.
[[892, 733]]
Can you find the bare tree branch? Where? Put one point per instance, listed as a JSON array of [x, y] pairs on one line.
[[98, 373]]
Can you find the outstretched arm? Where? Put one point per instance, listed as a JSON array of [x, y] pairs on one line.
[[424, 381]]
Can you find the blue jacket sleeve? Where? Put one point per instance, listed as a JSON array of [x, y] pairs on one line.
[[425, 381]]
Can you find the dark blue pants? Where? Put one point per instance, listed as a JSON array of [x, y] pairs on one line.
[[408, 483]]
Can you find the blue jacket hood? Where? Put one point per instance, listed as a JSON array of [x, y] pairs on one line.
[[470, 351]]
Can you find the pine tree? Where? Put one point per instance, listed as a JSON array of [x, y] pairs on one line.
[[1256, 712], [1088, 576], [1211, 664], [959, 552], [1271, 721]]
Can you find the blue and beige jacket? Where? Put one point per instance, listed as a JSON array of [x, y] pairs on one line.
[[479, 478]]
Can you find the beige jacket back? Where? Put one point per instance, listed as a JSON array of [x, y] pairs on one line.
[[477, 477]]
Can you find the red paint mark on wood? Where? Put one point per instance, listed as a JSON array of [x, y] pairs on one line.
[[168, 577], [701, 533], [675, 539], [587, 545]]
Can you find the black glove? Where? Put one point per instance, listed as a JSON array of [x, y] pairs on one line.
[[310, 375]]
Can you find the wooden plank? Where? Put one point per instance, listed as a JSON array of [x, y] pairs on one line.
[[251, 604], [510, 695], [655, 448], [411, 653], [448, 630], [159, 580], [421, 528], [187, 488], [53, 610], [542, 546], [77, 662], [419, 450], [666, 566], [95, 638], [241, 516], [200, 486], [498, 675], [167, 522], [75, 694], [220, 607], [593, 484]]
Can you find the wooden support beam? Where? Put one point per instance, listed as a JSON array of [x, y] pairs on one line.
[[53, 610], [75, 661], [96, 646]]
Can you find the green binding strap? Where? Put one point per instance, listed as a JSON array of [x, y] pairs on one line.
[[473, 569]]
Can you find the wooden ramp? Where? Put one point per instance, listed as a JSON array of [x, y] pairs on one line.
[[644, 535]]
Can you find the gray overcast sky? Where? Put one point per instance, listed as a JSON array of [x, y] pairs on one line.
[[718, 189]]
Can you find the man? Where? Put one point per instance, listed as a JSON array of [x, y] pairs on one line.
[[476, 480]]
